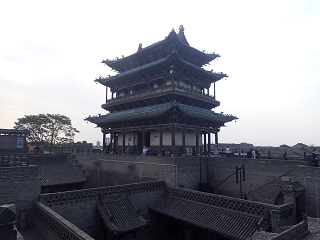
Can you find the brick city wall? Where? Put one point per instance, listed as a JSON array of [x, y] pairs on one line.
[[19, 186], [258, 172], [109, 170]]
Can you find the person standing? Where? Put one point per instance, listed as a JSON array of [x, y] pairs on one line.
[[253, 154], [315, 158], [257, 152], [228, 151], [249, 153]]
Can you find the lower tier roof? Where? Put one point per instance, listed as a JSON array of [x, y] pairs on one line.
[[157, 111]]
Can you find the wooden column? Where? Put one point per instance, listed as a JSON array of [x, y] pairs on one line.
[[197, 142], [143, 138], [106, 94], [214, 90], [123, 142], [103, 140], [173, 141], [209, 144], [111, 141], [216, 139], [160, 142], [114, 142], [205, 144], [183, 142]]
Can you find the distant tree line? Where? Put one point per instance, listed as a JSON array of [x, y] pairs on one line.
[[54, 130]]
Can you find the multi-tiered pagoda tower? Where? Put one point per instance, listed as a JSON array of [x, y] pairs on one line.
[[160, 99]]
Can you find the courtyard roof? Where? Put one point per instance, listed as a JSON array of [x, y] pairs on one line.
[[58, 173], [225, 223], [120, 216]]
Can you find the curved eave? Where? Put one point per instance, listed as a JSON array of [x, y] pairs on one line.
[[201, 113], [179, 38], [157, 111], [132, 114], [172, 57]]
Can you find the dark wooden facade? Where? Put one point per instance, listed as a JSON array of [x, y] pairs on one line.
[[160, 99]]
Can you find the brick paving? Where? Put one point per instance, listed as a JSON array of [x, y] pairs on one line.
[[29, 234], [314, 228]]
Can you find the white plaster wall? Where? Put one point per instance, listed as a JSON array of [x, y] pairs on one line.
[[120, 136], [154, 138], [129, 139], [167, 138]]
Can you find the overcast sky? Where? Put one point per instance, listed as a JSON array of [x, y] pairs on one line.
[[51, 52]]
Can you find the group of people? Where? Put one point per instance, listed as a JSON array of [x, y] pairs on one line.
[[253, 153]]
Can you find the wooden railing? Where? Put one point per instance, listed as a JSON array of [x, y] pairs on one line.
[[152, 92]]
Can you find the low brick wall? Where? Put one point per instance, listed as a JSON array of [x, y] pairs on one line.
[[80, 207], [52, 226]]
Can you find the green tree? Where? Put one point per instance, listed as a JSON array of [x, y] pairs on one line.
[[284, 145], [54, 129]]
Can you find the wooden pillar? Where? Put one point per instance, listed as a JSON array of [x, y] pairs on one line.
[[106, 94], [111, 141], [103, 140], [216, 138], [214, 90], [114, 142], [123, 142], [173, 141], [183, 142], [143, 138], [160, 142], [209, 144], [197, 142], [205, 144]]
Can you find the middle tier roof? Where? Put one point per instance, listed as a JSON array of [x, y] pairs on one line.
[[169, 65]]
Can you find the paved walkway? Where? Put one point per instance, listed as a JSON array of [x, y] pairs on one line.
[[29, 234]]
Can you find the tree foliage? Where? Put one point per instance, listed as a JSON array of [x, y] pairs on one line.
[[54, 129], [283, 145]]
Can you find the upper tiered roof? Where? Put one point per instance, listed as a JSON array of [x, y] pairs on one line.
[[161, 49], [161, 67]]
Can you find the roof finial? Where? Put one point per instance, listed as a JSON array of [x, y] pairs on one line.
[[181, 28], [140, 47]]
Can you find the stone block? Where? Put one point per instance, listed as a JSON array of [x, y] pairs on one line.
[[7, 213]]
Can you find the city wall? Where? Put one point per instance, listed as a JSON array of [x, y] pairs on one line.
[[20, 185], [186, 172]]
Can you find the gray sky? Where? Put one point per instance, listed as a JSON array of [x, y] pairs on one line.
[[51, 51]]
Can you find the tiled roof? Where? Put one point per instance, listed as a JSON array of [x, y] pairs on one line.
[[120, 216], [228, 224], [59, 173], [173, 56], [157, 110]]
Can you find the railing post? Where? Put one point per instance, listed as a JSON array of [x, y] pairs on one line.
[[269, 154]]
